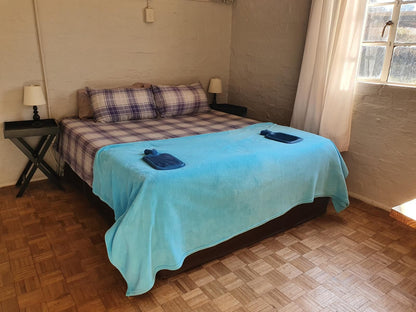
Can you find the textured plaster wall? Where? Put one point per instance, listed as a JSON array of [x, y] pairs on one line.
[[268, 38], [19, 64], [266, 53], [104, 43], [382, 155]]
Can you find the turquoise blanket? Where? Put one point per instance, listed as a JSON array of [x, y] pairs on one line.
[[233, 181]]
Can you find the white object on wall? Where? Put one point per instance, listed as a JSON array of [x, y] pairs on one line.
[[149, 14]]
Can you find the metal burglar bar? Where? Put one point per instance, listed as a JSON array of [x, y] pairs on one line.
[[388, 51]]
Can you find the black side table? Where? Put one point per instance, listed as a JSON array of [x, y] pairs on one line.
[[47, 130], [231, 109]]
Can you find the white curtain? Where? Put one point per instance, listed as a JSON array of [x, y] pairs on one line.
[[325, 92]]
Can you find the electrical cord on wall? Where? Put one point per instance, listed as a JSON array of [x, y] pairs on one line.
[[57, 157], [41, 54]]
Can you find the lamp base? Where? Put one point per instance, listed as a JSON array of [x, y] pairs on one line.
[[214, 101], [35, 113]]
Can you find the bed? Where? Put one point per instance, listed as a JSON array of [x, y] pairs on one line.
[[234, 185]]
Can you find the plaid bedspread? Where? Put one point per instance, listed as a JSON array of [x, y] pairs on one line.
[[80, 140]]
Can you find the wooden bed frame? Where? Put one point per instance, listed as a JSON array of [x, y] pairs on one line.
[[292, 218]]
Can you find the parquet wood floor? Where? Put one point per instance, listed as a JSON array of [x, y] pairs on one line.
[[53, 258]]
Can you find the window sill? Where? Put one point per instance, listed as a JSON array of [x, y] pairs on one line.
[[390, 84]]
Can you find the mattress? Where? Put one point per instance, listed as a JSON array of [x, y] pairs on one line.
[[80, 139]]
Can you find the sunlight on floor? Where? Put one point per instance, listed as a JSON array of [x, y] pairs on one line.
[[408, 209]]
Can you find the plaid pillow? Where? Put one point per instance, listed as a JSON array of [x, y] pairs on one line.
[[111, 105], [180, 100], [85, 110]]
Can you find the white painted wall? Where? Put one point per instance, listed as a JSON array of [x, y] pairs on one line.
[[268, 37], [104, 43], [267, 45], [382, 154], [19, 64]]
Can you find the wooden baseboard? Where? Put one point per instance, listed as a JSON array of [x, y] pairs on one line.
[[402, 218]]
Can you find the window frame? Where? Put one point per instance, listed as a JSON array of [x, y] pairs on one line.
[[390, 44]]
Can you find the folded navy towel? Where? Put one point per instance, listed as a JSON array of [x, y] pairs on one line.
[[162, 161], [281, 137]]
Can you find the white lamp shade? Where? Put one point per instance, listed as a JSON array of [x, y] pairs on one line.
[[33, 96], [215, 85]]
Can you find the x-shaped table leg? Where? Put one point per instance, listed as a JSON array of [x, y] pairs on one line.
[[35, 161]]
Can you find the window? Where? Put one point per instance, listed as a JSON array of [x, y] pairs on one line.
[[388, 50]]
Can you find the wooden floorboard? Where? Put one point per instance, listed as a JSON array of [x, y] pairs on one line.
[[53, 258]]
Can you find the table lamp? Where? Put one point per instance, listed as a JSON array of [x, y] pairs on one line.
[[33, 96], [215, 87]]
